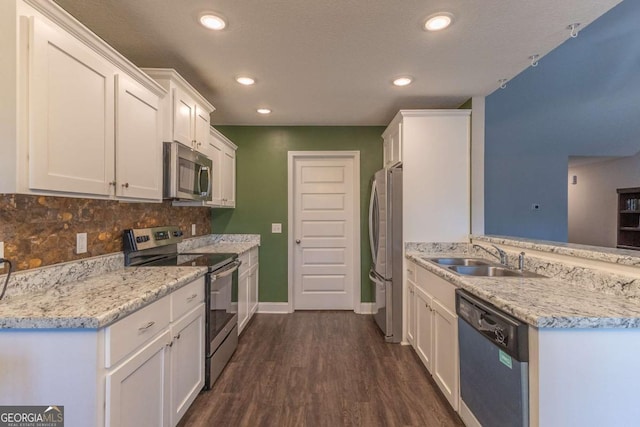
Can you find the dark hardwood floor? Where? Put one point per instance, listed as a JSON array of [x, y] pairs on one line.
[[320, 368]]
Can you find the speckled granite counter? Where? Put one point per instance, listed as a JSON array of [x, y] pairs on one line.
[[542, 302], [226, 247], [94, 302]]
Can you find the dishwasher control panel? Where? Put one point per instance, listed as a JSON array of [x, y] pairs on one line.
[[508, 333]]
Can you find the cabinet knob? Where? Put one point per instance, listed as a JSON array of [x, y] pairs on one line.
[[125, 185], [297, 241], [177, 337], [112, 183]]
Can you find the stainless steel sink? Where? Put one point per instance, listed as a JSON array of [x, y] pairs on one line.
[[460, 261], [491, 271]]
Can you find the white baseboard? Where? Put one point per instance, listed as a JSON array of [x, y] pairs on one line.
[[365, 308], [467, 416], [274, 307]]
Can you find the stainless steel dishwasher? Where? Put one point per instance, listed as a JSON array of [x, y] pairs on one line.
[[494, 369]]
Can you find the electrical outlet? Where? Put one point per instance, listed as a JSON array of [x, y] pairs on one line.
[[276, 228], [1, 249], [193, 229], [535, 207], [81, 243]]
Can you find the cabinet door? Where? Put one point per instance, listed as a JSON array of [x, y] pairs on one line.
[[424, 328], [243, 300], [71, 114], [201, 129], [411, 313], [229, 177], [253, 290], [215, 153], [184, 113], [138, 141], [387, 151], [137, 392], [445, 356], [187, 361]]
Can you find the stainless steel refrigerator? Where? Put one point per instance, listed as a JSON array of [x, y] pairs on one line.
[[385, 238]]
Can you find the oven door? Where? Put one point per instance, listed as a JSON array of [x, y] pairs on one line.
[[221, 320], [188, 174]]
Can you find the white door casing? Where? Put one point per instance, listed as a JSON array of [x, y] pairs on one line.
[[324, 217]]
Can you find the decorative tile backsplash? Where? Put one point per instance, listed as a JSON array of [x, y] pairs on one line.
[[41, 230]]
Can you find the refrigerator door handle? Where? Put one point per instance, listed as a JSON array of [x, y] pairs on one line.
[[372, 235]]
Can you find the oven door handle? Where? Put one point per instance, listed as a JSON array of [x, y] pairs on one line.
[[229, 270]]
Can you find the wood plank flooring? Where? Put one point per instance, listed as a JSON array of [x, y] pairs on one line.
[[320, 368]]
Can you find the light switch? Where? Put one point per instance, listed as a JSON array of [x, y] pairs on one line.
[[276, 228], [81, 243], [193, 229]]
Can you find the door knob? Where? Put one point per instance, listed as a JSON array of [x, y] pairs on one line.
[[297, 241]]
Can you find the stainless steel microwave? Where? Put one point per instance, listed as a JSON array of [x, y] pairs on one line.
[[187, 173]]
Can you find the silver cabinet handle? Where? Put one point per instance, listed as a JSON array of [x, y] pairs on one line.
[[147, 326], [191, 297]]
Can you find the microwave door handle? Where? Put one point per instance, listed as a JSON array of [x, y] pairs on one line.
[[199, 180], [205, 168]]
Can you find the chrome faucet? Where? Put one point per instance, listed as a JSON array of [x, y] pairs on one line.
[[521, 261], [502, 255]]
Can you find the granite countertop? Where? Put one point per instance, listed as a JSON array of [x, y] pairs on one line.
[[542, 302], [226, 247], [96, 301]]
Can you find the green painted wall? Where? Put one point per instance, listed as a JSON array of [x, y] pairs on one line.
[[261, 190]]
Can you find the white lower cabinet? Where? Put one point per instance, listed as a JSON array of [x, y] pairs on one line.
[[137, 392], [435, 337], [424, 328], [247, 287], [156, 385], [187, 363]]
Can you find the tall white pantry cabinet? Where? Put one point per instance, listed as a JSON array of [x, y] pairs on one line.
[[434, 148]]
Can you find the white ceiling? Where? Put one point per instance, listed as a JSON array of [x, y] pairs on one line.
[[331, 62]]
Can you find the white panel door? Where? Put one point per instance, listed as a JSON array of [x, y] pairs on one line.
[[71, 114], [228, 176], [323, 257], [424, 327], [445, 357], [138, 141], [201, 129]]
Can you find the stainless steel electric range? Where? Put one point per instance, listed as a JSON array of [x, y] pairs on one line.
[[157, 247]]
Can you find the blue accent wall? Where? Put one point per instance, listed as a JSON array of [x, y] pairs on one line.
[[583, 99]]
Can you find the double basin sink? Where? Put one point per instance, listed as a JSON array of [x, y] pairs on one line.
[[480, 268]]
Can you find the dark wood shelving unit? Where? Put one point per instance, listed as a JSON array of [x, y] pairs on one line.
[[629, 218]]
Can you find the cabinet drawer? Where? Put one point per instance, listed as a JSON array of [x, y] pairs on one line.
[[245, 258], [128, 334], [438, 288], [411, 271], [186, 298], [253, 255]]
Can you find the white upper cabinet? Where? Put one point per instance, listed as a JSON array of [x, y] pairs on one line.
[[80, 116], [71, 109], [185, 112], [138, 144], [392, 143], [223, 155]]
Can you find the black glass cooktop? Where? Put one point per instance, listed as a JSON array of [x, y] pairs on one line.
[[213, 261]]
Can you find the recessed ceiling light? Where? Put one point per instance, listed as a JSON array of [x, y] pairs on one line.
[[402, 81], [263, 111], [244, 80], [212, 22], [438, 21]]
